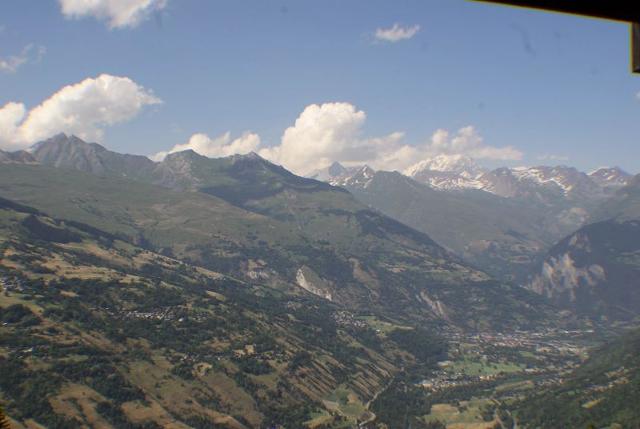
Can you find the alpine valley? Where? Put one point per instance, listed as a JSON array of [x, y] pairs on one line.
[[231, 293]]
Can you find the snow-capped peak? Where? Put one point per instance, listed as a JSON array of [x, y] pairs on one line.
[[610, 176], [355, 176], [333, 172], [460, 164], [447, 172]]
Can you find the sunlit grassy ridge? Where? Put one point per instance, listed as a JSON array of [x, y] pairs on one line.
[[99, 331], [364, 259]]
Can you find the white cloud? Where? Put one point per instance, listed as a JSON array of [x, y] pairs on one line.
[[552, 157], [215, 147], [396, 33], [326, 133], [117, 13], [29, 54], [83, 109], [466, 142], [332, 132], [10, 116]]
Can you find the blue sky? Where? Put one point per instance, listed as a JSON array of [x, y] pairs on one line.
[[547, 85]]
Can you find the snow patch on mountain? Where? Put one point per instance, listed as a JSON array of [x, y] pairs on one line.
[[610, 177], [460, 164], [447, 172], [339, 175]]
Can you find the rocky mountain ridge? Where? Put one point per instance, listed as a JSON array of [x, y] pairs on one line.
[[251, 219], [458, 173]]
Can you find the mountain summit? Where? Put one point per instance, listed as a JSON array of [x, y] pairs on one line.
[[71, 152], [447, 172], [460, 164], [610, 177]]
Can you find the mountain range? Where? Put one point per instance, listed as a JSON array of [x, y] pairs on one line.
[[249, 218], [230, 292], [501, 220], [544, 184], [508, 222], [595, 270]]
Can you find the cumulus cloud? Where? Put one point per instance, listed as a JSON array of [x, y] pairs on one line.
[[325, 133], [83, 109], [10, 116], [29, 54], [332, 132], [215, 147], [396, 33], [117, 13], [467, 141]]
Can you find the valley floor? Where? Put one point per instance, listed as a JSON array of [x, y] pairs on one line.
[[487, 376]]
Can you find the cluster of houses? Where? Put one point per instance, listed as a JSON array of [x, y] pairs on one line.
[[347, 319], [482, 347], [11, 284], [549, 342], [161, 314], [177, 314]]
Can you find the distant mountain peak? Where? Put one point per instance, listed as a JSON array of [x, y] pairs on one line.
[[72, 152], [610, 176], [183, 155], [447, 172], [607, 169], [366, 171], [336, 169], [18, 157], [335, 172], [62, 142], [251, 156], [353, 176], [253, 161], [458, 163]]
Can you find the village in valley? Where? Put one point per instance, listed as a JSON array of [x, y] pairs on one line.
[[540, 356]]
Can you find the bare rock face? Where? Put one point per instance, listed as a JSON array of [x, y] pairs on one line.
[[438, 308], [594, 271], [311, 282], [561, 279]]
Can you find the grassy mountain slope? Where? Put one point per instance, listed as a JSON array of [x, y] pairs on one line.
[[100, 332], [603, 392], [500, 235], [320, 239]]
